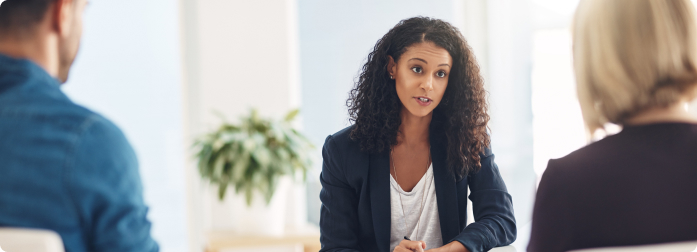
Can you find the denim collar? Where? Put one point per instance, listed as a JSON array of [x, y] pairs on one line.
[[11, 68]]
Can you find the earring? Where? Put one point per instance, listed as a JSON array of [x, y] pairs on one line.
[[391, 77]]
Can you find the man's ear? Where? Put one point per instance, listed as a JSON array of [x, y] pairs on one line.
[[63, 14], [391, 65]]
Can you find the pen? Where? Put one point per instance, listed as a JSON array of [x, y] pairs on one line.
[[406, 238]]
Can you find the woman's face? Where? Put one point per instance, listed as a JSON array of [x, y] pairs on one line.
[[421, 76]]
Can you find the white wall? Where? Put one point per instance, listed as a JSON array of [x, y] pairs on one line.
[[238, 55], [128, 69], [247, 56]]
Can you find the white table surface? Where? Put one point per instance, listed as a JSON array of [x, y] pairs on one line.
[[503, 249]]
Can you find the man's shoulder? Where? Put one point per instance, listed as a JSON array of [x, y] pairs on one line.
[[40, 100], [43, 103], [64, 116], [61, 118], [99, 126]]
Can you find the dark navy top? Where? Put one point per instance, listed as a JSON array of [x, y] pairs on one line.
[[355, 213], [65, 168], [633, 188]]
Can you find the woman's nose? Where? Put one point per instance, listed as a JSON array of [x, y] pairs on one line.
[[427, 84]]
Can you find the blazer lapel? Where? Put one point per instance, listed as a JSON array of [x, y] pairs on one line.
[[446, 191], [380, 198]]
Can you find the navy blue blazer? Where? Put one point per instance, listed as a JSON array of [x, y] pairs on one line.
[[355, 213]]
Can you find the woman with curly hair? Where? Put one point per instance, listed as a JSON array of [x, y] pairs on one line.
[[397, 179]]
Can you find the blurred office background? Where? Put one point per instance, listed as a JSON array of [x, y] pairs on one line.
[[160, 68]]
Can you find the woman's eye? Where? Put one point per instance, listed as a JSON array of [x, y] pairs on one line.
[[417, 69], [441, 74]]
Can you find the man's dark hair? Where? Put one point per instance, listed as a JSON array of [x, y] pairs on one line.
[[16, 15]]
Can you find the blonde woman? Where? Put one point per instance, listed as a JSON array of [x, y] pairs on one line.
[[636, 66]]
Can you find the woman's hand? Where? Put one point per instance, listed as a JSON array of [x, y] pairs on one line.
[[450, 247], [410, 246]]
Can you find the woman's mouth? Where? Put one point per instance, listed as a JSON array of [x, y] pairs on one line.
[[423, 101]]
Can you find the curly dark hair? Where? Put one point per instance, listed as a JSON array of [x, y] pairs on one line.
[[374, 106]]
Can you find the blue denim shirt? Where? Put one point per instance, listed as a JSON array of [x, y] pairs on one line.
[[66, 168]]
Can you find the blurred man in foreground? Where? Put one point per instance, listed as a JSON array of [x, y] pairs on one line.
[[62, 167]]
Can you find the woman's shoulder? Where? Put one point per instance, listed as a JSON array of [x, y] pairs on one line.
[[342, 136], [343, 155], [584, 162], [341, 143], [610, 154]]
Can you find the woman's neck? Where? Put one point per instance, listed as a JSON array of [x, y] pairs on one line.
[[414, 130], [673, 113]]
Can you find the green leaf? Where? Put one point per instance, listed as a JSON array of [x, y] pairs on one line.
[[222, 188], [254, 116], [269, 194], [239, 186], [282, 154], [249, 144], [291, 115], [218, 167], [263, 157], [240, 167], [217, 144], [257, 178], [248, 195], [204, 157]]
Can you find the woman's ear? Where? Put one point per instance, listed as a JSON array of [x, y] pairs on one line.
[[391, 66]]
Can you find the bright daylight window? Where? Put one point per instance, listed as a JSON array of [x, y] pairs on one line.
[[557, 122]]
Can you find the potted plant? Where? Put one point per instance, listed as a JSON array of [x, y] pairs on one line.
[[254, 157]]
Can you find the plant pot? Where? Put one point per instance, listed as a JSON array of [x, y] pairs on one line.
[[261, 219]]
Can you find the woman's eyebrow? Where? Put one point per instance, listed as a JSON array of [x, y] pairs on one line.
[[419, 59], [424, 61]]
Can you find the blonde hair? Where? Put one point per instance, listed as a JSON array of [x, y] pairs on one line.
[[631, 55]]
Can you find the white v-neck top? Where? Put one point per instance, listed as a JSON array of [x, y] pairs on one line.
[[411, 202]]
